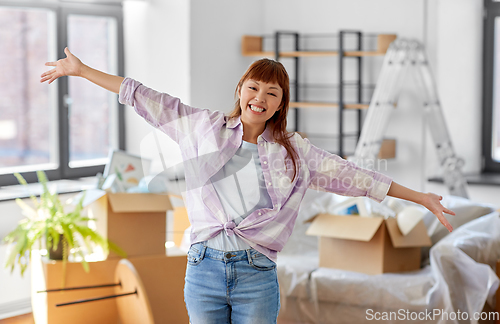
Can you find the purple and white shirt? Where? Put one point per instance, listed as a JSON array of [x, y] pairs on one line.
[[208, 139]]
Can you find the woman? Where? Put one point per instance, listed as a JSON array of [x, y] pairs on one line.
[[245, 176]]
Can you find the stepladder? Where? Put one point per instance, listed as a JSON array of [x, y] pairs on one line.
[[406, 58]]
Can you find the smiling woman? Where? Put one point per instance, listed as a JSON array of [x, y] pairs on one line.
[[245, 157]]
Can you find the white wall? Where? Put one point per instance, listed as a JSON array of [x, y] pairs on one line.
[[317, 16], [14, 289], [456, 31], [216, 60], [157, 52], [459, 70]]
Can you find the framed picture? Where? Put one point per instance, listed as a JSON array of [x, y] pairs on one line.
[[353, 206], [128, 168]]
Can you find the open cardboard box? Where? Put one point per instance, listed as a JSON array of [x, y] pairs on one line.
[[136, 222], [370, 245]]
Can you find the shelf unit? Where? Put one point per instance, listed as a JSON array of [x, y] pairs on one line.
[[253, 46]]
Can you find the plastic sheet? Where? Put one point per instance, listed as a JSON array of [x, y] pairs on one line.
[[458, 281]]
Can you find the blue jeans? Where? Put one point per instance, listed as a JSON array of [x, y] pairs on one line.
[[230, 287]]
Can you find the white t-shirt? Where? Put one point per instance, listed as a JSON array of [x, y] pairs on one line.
[[241, 189]]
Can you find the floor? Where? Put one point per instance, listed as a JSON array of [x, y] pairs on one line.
[[22, 319]]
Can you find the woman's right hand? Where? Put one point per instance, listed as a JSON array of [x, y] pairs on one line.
[[70, 65]]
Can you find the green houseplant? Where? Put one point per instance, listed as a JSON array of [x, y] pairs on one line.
[[48, 224]]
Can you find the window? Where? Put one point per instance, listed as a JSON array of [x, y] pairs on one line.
[[67, 128], [491, 87]]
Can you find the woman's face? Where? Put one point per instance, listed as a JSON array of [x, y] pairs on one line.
[[259, 101]]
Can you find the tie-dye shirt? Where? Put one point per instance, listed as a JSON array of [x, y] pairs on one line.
[[209, 139]]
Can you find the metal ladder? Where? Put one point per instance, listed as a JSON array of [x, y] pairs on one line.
[[408, 57]]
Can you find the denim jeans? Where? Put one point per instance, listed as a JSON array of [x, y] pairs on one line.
[[238, 287]]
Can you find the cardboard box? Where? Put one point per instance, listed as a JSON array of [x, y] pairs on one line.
[[136, 222], [387, 149], [181, 223], [369, 245], [48, 274], [160, 280]]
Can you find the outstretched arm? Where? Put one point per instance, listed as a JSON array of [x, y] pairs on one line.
[[428, 200], [72, 66]]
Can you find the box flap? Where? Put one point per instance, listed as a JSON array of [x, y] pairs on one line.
[[139, 202], [310, 219], [417, 237], [345, 227], [91, 195]]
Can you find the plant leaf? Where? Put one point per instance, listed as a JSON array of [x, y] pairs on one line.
[[23, 181], [29, 212], [68, 235], [55, 238], [85, 264], [113, 247]]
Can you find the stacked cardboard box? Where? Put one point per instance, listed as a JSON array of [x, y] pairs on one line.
[[136, 222]]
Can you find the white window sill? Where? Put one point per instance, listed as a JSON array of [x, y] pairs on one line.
[[59, 186], [489, 179]]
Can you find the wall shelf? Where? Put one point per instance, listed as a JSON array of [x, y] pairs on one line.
[[252, 46]]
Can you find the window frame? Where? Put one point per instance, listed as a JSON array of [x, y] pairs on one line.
[[491, 11], [62, 10]]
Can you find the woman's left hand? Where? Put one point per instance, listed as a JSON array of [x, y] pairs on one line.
[[433, 203], [428, 200]]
